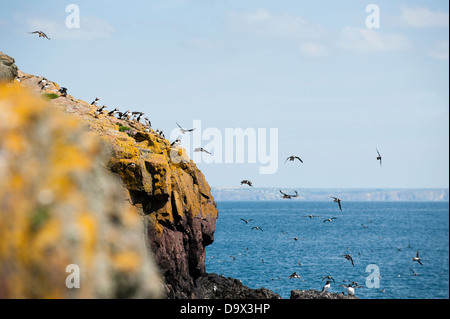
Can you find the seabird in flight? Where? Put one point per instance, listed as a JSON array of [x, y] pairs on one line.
[[351, 289], [337, 200], [294, 275], [292, 158], [414, 273], [417, 258], [246, 221], [287, 196], [310, 216], [201, 149], [257, 228], [329, 278], [348, 257], [379, 157], [329, 219], [364, 227], [41, 34], [185, 130], [246, 182]]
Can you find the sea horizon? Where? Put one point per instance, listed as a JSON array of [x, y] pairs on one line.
[[241, 193]]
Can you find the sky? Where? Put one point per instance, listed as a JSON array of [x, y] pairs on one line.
[[332, 83]]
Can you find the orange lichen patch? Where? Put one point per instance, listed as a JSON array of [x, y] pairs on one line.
[[88, 229], [127, 261], [59, 206]]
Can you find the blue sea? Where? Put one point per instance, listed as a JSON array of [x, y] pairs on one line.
[[382, 249]]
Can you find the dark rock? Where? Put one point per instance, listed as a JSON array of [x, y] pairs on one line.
[[314, 294], [213, 286]]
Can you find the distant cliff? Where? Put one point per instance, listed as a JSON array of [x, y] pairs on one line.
[[317, 194]]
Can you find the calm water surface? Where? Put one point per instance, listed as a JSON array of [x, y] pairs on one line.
[[393, 234]]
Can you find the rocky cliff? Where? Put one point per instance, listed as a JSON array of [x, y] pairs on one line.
[[62, 196]]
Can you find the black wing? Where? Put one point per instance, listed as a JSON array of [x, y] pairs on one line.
[[299, 159], [283, 193]]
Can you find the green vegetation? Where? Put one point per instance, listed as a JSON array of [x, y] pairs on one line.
[[124, 128], [50, 96]]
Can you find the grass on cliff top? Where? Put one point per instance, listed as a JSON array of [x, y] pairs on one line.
[[50, 96], [124, 128]]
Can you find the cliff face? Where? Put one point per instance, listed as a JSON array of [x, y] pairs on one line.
[[166, 188]]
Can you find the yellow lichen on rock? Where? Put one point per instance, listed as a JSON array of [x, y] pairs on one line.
[[59, 206]]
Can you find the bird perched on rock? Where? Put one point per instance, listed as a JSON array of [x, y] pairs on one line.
[[95, 101], [111, 113], [41, 34], [147, 122], [63, 91], [293, 158], [326, 286], [247, 182], [337, 200], [177, 141]]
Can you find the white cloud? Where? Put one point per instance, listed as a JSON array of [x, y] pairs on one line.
[[371, 40], [313, 49], [423, 17], [91, 28], [440, 50], [262, 23]]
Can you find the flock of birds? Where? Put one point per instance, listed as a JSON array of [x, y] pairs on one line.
[[136, 117], [351, 285]]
